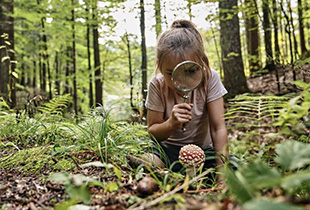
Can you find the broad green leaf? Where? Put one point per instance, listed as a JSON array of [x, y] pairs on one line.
[[259, 175], [292, 155], [268, 205], [295, 180], [238, 188]]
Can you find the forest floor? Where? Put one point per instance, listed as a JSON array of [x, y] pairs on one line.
[[20, 189]]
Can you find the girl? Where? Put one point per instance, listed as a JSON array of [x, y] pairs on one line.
[[166, 111]]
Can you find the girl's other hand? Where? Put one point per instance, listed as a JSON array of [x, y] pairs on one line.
[[181, 113]]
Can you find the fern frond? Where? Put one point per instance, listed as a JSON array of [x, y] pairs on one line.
[[57, 105]]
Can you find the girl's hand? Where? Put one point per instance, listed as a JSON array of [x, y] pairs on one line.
[[181, 113]]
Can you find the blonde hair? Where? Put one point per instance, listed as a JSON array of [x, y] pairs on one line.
[[183, 42]]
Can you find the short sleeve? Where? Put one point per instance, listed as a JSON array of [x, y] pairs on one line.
[[154, 98], [215, 87]]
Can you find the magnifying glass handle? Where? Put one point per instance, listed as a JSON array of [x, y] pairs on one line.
[[185, 100]]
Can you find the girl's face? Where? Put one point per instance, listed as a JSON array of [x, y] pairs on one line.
[[167, 69]]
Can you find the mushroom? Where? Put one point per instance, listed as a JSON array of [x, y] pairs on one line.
[[147, 186], [191, 157]]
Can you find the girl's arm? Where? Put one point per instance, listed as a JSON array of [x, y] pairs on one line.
[[218, 130], [160, 129]]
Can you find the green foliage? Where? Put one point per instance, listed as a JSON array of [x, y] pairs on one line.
[[253, 110], [269, 205], [249, 181], [294, 118], [76, 185], [57, 105], [293, 155]]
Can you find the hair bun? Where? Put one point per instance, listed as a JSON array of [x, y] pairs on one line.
[[182, 24]]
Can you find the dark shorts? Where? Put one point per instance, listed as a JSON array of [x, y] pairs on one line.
[[169, 154]]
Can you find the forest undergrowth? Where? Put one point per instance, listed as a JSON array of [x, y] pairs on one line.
[[49, 160]]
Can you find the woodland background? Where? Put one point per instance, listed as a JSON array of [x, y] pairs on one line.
[[74, 47], [73, 78]]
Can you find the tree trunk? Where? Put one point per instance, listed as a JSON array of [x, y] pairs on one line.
[[252, 35], [91, 94], [158, 17], [287, 29], [267, 37], [7, 71], [144, 55], [98, 81], [130, 70], [75, 103], [57, 71], [46, 66], [301, 30], [234, 77], [275, 30], [4, 68], [296, 53]]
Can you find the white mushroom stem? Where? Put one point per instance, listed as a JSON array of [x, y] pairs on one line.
[[191, 172]]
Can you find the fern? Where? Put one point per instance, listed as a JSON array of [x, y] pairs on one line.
[[252, 113], [57, 105]]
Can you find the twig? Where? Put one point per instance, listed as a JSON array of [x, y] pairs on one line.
[[205, 190], [157, 200]]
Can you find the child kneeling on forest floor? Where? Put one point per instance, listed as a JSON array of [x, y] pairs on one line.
[[167, 111]]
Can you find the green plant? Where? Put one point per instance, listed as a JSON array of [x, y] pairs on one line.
[[251, 180], [254, 114], [294, 118], [57, 105]]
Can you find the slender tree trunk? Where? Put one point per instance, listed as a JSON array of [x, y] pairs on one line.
[[7, 70], [158, 17], [57, 71], [234, 77], [301, 30], [275, 29], [296, 53], [91, 94], [276, 40], [98, 81], [68, 70], [74, 71], [267, 38], [46, 66], [144, 55], [252, 35], [34, 76], [288, 31], [130, 70], [189, 7], [5, 66]]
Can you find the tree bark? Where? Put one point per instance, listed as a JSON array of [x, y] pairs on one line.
[[275, 30], [158, 17], [252, 35], [304, 50], [234, 77], [144, 55], [98, 81], [7, 70], [267, 37], [91, 94], [74, 72]]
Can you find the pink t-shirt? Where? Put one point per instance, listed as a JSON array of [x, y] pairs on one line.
[[161, 98]]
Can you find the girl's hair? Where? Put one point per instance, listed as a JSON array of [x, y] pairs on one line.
[[182, 42]]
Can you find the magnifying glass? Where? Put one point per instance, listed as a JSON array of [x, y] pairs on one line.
[[186, 77]]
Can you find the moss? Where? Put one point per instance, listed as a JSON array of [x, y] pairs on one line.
[[34, 160]]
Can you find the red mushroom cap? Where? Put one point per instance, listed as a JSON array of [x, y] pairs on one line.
[[191, 156]]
